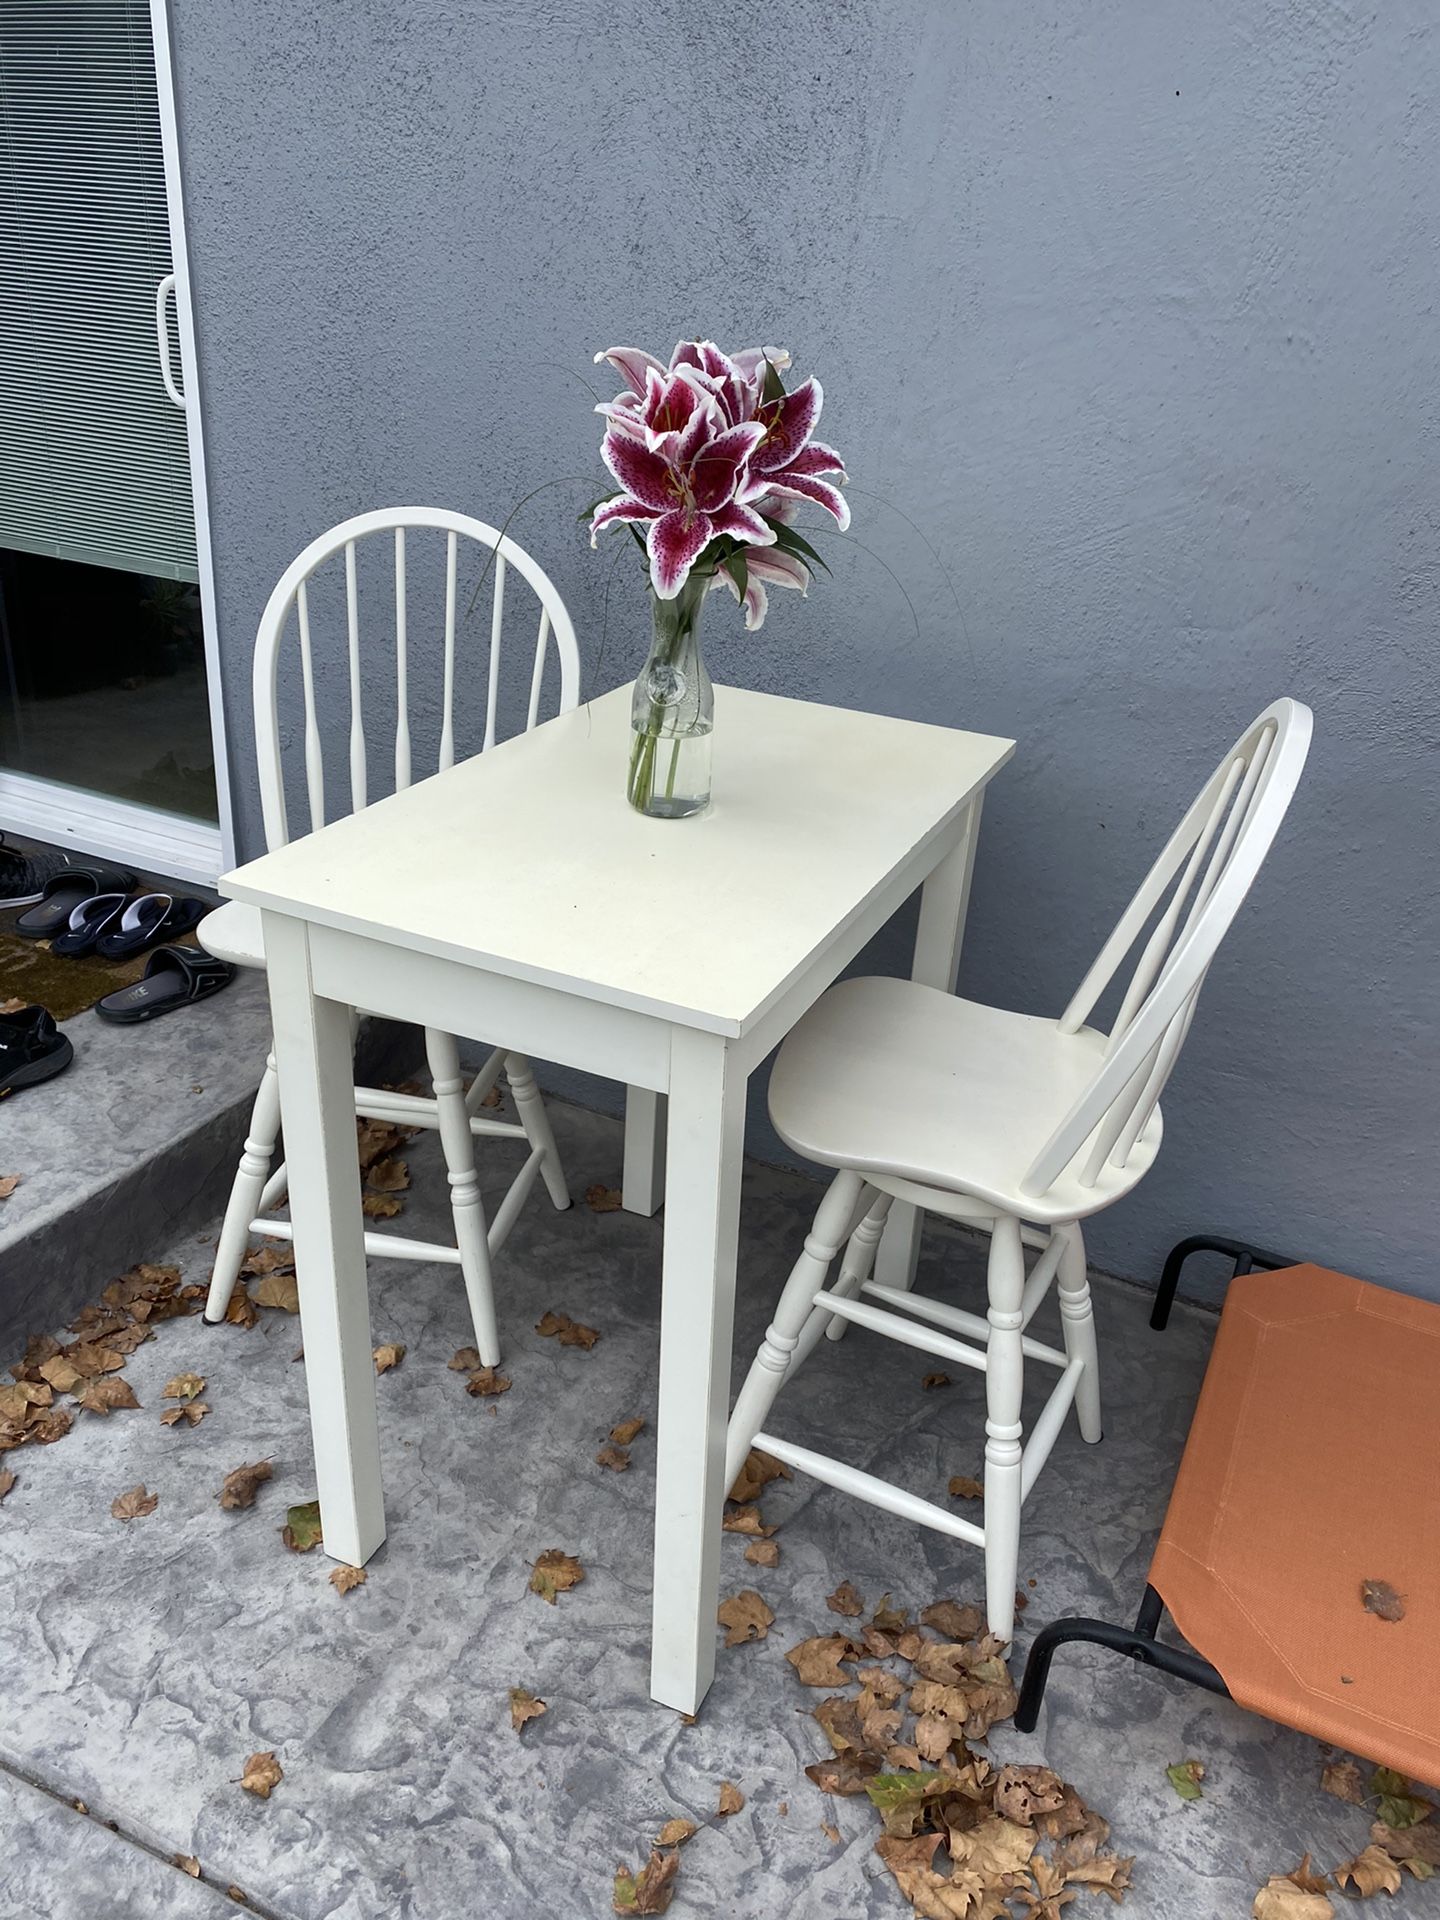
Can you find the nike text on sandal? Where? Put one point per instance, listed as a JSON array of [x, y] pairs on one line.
[[32, 1049], [149, 919], [66, 891], [175, 977]]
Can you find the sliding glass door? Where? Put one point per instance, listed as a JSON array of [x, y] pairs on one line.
[[106, 714]]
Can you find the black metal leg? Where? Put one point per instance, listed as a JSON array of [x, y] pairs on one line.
[[1244, 1259], [1138, 1642]]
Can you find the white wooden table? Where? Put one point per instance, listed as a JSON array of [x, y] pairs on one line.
[[517, 898]]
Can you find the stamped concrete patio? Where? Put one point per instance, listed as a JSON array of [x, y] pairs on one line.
[[144, 1661]]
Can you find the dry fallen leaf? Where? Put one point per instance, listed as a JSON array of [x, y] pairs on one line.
[[628, 1431], [276, 1256], [387, 1356], [603, 1199], [131, 1505], [375, 1138], [616, 1458], [7, 1481], [744, 1616], [763, 1553], [187, 1863], [466, 1360], [649, 1891], [239, 1488], [676, 1832], [185, 1386], [387, 1176], [8, 1183], [524, 1706], [346, 1579], [817, 1660], [956, 1622], [759, 1470], [488, 1381], [302, 1529], [570, 1333], [106, 1394], [277, 1290], [1021, 1793], [831, 1832], [1372, 1871], [1345, 1780], [263, 1773], [555, 1572], [1185, 1777], [1416, 1847], [1106, 1873], [731, 1799], [1281, 1899], [747, 1519], [1381, 1599], [52, 1425], [964, 1486], [192, 1413], [241, 1310], [381, 1206], [845, 1600]]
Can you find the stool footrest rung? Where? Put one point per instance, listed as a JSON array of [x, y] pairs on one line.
[[865, 1486]]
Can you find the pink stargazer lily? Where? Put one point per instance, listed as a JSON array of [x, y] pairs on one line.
[[702, 456]]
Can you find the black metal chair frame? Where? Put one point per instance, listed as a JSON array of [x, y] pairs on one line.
[[1140, 1642]]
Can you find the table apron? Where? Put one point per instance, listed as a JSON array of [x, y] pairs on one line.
[[546, 1022]]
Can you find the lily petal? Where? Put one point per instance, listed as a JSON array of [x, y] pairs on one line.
[[819, 492], [816, 458], [639, 471], [675, 542], [789, 423], [718, 467], [742, 523], [611, 513], [631, 363], [780, 569]]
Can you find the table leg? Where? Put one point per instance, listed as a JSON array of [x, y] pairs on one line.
[[943, 902], [697, 1310], [317, 1110], [644, 1175]]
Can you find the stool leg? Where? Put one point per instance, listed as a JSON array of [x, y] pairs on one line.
[[245, 1192], [536, 1121], [796, 1305], [1077, 1323], [855, 1268], [1004, 1384], [468, 1208]]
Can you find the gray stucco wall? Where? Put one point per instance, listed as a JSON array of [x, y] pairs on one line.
[[1132, 309]]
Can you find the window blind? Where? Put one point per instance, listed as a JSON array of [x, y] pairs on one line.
[[94, 462]]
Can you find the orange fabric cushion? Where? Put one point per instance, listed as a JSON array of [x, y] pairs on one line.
[[1313, 1465]]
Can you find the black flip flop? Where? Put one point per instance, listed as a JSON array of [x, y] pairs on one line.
[[176, 977], [64, 893], [149, 919], [87, 923], [32, 1049]]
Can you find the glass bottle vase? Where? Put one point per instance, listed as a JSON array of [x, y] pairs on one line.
[[672, 715]]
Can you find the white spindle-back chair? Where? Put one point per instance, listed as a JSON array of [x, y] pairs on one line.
[[1021, 1126], [233, 931]]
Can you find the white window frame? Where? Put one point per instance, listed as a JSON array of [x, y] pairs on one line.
[[94, 823]]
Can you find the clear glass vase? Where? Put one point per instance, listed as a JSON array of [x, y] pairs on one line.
[[672, 715]]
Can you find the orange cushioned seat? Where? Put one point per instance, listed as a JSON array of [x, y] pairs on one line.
[[1313, 1466]]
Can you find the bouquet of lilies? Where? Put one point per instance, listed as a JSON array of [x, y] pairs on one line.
[[714, 459]]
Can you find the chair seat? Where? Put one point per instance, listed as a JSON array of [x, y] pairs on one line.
[[232, 932], [901, 1080]]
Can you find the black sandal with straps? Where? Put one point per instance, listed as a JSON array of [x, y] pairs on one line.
[[175, 977]]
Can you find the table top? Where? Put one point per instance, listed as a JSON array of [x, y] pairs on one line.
[[528, 861]]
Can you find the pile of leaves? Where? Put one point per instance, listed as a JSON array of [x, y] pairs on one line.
[[53, 1380], [1404, 1838], [965, 1839]]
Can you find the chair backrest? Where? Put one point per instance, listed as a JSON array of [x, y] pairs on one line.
[[1191, 895], [292, 594]]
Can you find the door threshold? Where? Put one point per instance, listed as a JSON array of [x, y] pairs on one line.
[[89, 824]]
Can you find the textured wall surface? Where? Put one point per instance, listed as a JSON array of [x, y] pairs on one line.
[[1131, 311]]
